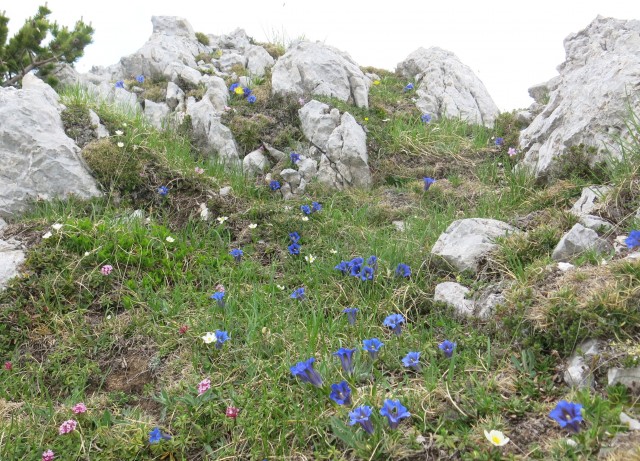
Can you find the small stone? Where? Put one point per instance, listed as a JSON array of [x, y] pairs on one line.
[[399, 225], [224, 191]]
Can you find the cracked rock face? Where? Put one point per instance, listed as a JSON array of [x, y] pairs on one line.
[[38, 160], [448, 88], [318, 69], [586, 103]]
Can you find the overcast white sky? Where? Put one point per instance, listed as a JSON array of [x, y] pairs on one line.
[[510, 45]]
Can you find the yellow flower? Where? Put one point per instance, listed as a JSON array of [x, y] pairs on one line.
[[376, 82], [239, 90], [366, 119], [497, 438]]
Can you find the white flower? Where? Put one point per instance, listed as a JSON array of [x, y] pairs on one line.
[[497, 438], [252, 226], [280, 287], [86, 253], [209, 338], [56, 226], [119, 133], [287, 208], [120, 144], [310, 259], [333, 252], [47, 235], [124, 125], [170, 239], [305, 218], [222, 219]]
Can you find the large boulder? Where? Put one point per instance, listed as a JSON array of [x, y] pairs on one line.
[[467, 241], [589, 100], [213, 135], [38, 159], [318, 69], [448, 88]]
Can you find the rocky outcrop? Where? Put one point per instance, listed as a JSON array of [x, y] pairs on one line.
[[579, 369], [481, 305], [588, 205], [588, 102], [318, 69], [11, 257], [445, 87], [208, 128], [577, 241], [467, 241], [38, 160]]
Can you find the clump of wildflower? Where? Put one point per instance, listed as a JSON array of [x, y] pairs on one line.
[[294, 237], [409, 87], [295, 157], [428, 182], [183, 329], [120, 84], [274, 185], [209, 337], [163, 191], [372, 346], [106, 269], [140, 79], [412, 360], [298, 293], [315, 207], [219, 297], [366, 273], [232, 412], [237, 254], [362, 416], [499, 141], [512, 152], [373, 262], [233, 87], [376, 82], [426, 118], [394, 411], [567, 414], [346, 359], [8, 365], [156, 435], [633, 240], [306, 373], [222, 219], [79, 408], [310, 259], [403, 270], [68, 426], [394, 321], [204, 386], [447, 347], [341, 393], [496, 438], [351, 314], [221, 338], [48, 455]]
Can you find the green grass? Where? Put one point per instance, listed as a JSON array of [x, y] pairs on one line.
[[114, 342]]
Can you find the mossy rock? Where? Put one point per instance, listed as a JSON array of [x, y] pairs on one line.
[[77, 124], [115, 168]]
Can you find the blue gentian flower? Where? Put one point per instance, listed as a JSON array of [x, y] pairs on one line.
[[156, 435], [315, 206], [298, 293], [428, 182], [633, 240], [120, 84], [237, 254], [362, 416], [403, 270], [394, 321], [294, 249], [343, 267], [499, 141], [412, 359], [247, 92], [409, 87], [373, 262], [140, 78], [346, 357], [355, 265], [221, 338], [163, 190], [394, 411], [341, 393], [426, 118], [567, 414], [366, 274], [306, 373], [447, 347], [351, 314], [233, 87], [274, 185], [372, 346], [219, 297], [294, 236], [295, 157], [252, 98], [305, 209]]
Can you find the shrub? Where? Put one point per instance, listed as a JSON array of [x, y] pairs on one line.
[[202, 38]]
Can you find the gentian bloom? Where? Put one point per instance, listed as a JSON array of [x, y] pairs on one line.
[[120, 84], [221, 338], [156, 435], [428, 182], [447, 347], [252, 99], [315, 206], [341, 393], [362, 416], [366, 274], [233, 87], [163, 190], [409, 87], [237, 254], [403, 270], [346, 358], [426, 118], [394, 321], [274, 185], [79, 408], [373, 262], [633, 240], [499, 141], [246, 92], [343, 267], [140, 79], [351, 314], [394, 411], [219, 297], [298, 293], [68, 426], [305, 209], [412, 359], [567, 414], [306, 373], [294, 237], [294, 249], [48, 455], [372, 346], [295, 157]]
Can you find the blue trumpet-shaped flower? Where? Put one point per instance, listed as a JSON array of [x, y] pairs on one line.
[[568, 415], [403, 270], [120, 84], [366, 273], [409, 87], [362, 416], [372, 346], [140, 79], [219, 297], [428, 182], [394, 411], [394, 321], [274, 185], [447, 347], [294, 237], [295, 157], [294, 249], [426, 118], [221, 338], [341, 393], [315, 206], [346, 357], [633, 240], [306, 373], [298, 293], [306, 209], [251, 99], [412, 360], [351, 314], [237, 254]]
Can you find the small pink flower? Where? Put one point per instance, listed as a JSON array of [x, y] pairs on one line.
[[8, 366], [204, 386], [220, 287], [79, 408], [512, 152], [68, 426], [106, 269], [183, 329], [301, 101], [232, 412], [227, 108], [48, 455], [199, 170]]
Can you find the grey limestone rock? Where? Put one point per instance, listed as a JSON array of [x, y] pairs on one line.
[[578, 240], [11, 257]]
